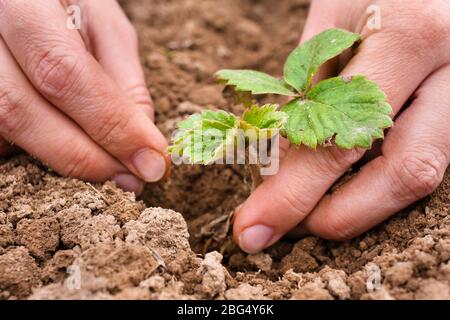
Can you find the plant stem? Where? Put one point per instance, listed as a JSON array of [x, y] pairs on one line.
[[255, 173], [254, 169]]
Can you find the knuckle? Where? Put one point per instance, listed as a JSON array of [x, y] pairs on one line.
[[339, 160], [419, 174], [131, 34], [56, 73], [11, 101], [126, 32], [294, 201], [113, 124], [140, 95], [430, 26], [6, 6], [336, 228], [421, 26], [79, 163]]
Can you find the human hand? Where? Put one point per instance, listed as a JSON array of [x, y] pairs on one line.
[[408, 58], [77, 100]]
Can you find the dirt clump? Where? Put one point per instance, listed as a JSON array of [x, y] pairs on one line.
[[39, 236], [213, 274], [162, 230], [7, 235], [245, 291], [79, 227], [262, 261], [19, 273], [400, 273], [298, 260], [311, 291], [55, 269], [123, 265]]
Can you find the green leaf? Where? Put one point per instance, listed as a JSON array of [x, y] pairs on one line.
[[265, 120], [304, 123], [254, 81], [304, 61], [265, 117], [353, 110], [202, 138]]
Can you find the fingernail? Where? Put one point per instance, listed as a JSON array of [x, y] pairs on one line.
[[150, 165], [256, 238], [130, 183]]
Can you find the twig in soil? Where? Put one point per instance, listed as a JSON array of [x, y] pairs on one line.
[[228, 223], [118, 203], [254, 169], [227, 244], [208, 229], [222, 236], [158, 259], [296, 275], [99, 193], [207, 245]]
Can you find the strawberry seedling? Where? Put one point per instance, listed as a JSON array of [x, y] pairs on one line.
[[351, 112]]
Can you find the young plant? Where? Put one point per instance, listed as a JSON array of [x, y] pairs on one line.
[[351, 111]]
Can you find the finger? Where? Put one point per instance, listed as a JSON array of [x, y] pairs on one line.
[[57, 63], [31, 123], [303, 178], [114, 43], [415, 156]]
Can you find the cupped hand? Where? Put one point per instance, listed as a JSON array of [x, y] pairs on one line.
[[408, 57], [77, 99]]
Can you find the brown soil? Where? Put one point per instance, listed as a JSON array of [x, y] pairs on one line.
[[53, 229]]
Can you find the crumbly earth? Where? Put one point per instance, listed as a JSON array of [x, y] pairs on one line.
[[62, 238]]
